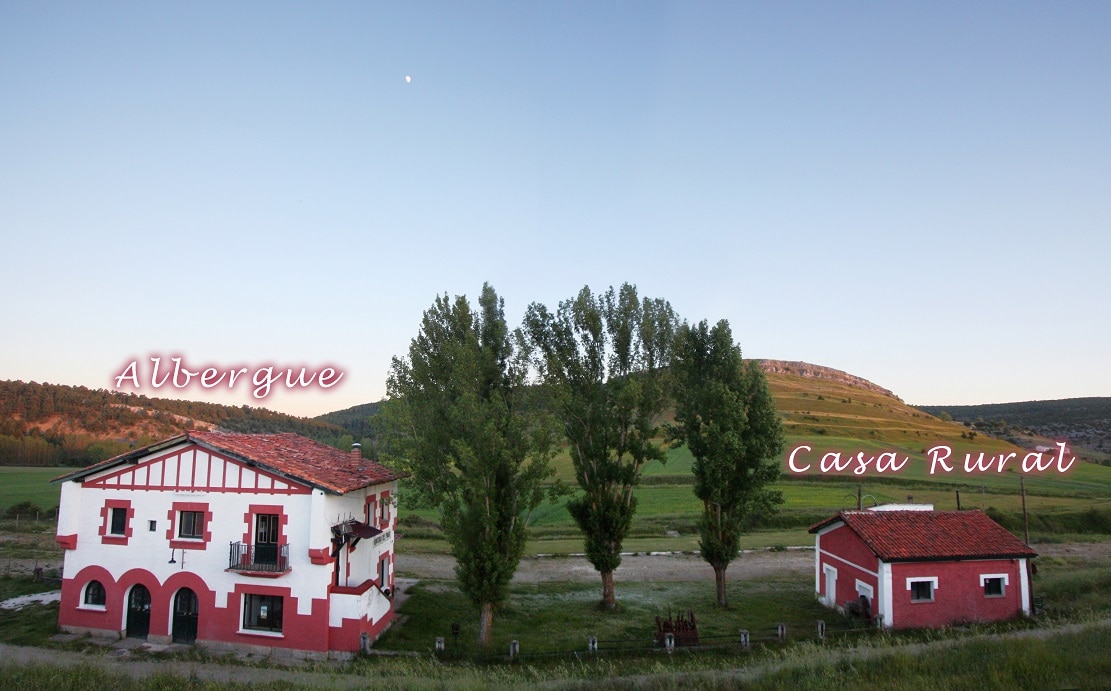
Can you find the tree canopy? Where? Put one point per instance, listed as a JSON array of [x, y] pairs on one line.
[[603, 358], [725, 414], [458, 418]]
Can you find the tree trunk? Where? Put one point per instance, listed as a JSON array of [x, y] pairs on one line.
[[486, 624], [719, 578], [609, 597]]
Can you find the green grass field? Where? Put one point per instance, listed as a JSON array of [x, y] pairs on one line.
[[18, 485]]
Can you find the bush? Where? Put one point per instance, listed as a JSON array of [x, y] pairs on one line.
[[24, 509]]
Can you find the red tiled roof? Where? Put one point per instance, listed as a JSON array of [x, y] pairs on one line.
[[301, 458], [292, 455], [931, 535]]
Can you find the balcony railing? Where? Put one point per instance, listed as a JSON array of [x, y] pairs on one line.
[[258, 558]]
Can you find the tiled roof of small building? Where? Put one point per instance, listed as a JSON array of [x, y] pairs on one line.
[[288, 454], [931, 535]]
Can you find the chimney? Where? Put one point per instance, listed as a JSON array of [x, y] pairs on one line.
[[356, 451]]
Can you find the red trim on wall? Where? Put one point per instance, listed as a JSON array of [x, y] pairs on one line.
[[186, 543], [103, 482], [384, 510], [370, 510], [106, 522], [299, 631], [66, 541], [348, 636], [320, 556]]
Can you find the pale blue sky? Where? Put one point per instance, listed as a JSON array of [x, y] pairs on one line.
[[916, 193]]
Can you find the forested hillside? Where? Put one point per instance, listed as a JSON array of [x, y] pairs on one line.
[[1085, 422], [50, 424]]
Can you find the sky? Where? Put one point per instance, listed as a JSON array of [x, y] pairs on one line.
[[916, 193]]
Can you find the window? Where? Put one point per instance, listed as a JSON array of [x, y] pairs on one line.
[[994, 584], [115, 522], [94, 594], [153, 525], [262, 612], [191, 525], [921, 591], [119, 521], [384, 509]]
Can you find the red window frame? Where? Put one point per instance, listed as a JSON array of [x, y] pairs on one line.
[[174, 513], [107, 537]]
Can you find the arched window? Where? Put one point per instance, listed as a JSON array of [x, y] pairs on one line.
[[94, 594]]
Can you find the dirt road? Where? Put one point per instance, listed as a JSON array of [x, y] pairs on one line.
[[664, 567]]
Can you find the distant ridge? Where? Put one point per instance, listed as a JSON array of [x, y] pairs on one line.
[[809, 371]]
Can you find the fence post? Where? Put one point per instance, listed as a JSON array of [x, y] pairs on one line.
[[821, 630], [439, 644], [669, 641], [744, 638], [592, 644], [781, 631], [514, 649]]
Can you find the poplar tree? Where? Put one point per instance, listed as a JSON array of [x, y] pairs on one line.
[[604, 358], [725, 414], [458, 420]]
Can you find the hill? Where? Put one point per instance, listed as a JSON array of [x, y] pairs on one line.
[[356, 419], [1085, 422], [52, 424]]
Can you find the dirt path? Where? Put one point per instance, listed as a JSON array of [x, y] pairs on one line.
[[669, 567]]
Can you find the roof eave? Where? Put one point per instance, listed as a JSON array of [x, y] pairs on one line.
[[127, 457]]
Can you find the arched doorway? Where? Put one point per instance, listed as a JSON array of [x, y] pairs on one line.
[[138, 612], [185, 616]]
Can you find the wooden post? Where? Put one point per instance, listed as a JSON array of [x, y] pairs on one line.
[[958, 500]]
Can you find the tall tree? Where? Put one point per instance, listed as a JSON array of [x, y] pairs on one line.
[[603, 358], [457, 418], [727, 418]]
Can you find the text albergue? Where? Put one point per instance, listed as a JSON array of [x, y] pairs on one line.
[[176, 374], [802, 459]]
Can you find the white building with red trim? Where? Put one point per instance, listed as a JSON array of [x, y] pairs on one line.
[[231, 541], [921, 568]]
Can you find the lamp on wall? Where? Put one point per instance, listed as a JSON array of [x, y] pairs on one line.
[[172, 560]]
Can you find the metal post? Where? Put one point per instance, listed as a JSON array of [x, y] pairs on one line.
[[592, 644], [439, 644], [781, 631], [744, 638], [821, 630], [514, 649]]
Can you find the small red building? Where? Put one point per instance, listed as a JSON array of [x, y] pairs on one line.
[[918, 568]]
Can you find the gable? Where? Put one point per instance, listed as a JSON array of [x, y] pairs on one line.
[[193, 468]]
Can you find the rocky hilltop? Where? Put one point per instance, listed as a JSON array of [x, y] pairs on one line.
[[805, 369]]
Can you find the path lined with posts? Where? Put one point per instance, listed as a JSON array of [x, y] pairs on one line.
[[292, 676]]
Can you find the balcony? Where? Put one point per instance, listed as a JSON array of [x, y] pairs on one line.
[[267, 561]]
